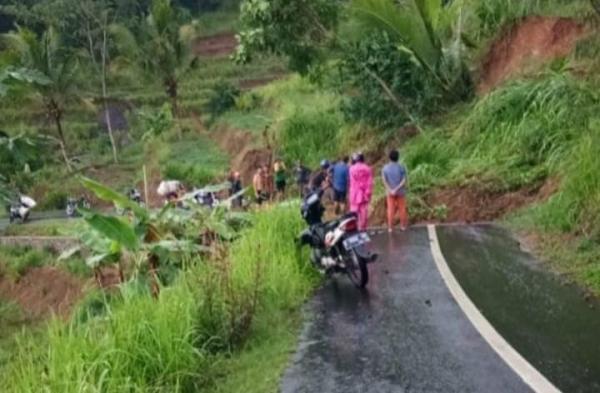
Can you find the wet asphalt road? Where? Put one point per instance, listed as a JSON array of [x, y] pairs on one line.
[[405, 334], [549, 322]]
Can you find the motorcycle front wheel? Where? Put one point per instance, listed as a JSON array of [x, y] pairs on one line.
[[357, 270]]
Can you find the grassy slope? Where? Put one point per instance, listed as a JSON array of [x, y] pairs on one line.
[[180, 341]]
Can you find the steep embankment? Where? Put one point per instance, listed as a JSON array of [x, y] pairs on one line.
[[527, 44], [494, 158]]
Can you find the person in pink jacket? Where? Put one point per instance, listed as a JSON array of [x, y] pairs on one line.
[[361, 190]]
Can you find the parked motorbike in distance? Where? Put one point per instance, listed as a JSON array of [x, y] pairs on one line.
[[135, 195], [20, 209], [206, 198], [73, 204], [336, 246]]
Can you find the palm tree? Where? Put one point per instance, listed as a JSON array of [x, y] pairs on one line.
[[421, 28], [163, 46], [46, 55]]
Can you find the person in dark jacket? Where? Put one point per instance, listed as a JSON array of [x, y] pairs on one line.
[[235, 187], [302, 177]]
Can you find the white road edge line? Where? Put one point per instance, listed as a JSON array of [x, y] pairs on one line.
[[522, 367]]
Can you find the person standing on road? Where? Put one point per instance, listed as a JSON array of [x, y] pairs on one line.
[[340, 184], [279, 171], [395, 180], [361, 190]]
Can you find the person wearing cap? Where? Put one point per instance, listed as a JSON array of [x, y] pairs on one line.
[[395, 179], [361, 190]]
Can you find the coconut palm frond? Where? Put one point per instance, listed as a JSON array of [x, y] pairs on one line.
[[404, 22]]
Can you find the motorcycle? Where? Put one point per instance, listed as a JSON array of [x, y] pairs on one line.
[[74, 204], [337, 246], [21, 209], [135, 195], [206, 198]]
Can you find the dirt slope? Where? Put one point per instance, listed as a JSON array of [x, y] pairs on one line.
[[525, 45], [43, 291], [469, 204], [244, 150], [219, 45]]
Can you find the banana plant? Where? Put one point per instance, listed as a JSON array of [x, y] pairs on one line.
[[135, 238], [11, 76], [151, 238]]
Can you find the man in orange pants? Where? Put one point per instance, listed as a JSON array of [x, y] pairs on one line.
[[395, 180]]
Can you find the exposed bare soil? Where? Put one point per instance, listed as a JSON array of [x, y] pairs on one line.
[[43, 291], [247, 84], [244, 150], [523, 46], [219, 45], [470, 204]]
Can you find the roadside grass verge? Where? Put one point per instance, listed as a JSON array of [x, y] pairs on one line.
[[51, 227], [217, 318]]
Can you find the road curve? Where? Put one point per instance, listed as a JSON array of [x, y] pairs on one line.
[[405, 334]]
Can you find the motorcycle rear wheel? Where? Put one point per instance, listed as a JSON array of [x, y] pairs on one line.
[[357, 271]]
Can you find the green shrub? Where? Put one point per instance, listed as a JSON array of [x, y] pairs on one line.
[[222, 98], [377, 58], [54, 200], [248, 102]]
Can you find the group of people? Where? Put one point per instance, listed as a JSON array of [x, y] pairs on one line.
[[350, 181], [267, 184]]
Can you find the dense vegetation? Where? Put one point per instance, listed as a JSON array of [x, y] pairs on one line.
[[208, 301], [182, 340]]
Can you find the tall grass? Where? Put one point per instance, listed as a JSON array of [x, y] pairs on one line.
[[515, 136], [577, 206], [310, 136], [527, 128], [194, 161], [169, 344], [492, 15]]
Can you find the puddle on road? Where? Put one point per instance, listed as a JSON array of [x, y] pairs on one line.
[[548, 322]]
